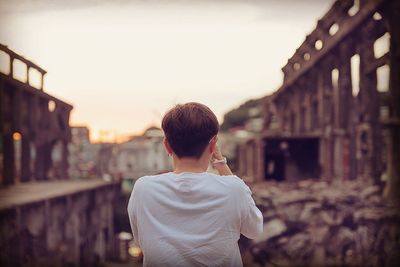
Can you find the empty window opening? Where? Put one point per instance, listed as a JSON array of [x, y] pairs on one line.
[[335, 88], [35, 78], [32, 157], [335, 79], [382, 78], [355, 74], [51, 105], [318, 44], [355, 8], [382, 45], [377, 16], [19, 70], [298, 160], [306, 56], [56, 152], [4, 63], [333, 29]]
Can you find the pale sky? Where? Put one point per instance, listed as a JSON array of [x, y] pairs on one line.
[[122, 63]]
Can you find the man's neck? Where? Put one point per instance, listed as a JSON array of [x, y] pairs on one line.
[[190, 165]]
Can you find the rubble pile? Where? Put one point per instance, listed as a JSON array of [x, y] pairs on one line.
[[314, 223]]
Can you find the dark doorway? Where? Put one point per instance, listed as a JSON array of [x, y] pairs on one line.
[[291, 158]]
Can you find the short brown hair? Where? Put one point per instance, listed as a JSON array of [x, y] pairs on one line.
[[189, 128]]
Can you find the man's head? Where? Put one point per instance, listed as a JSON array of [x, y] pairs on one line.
[[189, 128]]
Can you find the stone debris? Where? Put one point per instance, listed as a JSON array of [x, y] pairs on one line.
[[272, 229], [315, 223]]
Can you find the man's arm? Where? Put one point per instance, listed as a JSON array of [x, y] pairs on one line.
[[252, 218], [221, 167], [132, 216]]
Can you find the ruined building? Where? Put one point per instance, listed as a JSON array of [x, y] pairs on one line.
[[336, 115], [46, 219]]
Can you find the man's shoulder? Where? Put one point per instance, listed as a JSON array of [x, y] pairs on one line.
[[231, 181], [149, 180]]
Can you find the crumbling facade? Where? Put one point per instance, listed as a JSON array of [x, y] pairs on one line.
[[64, 223], [34, 129], [336, 115], [46, 219]]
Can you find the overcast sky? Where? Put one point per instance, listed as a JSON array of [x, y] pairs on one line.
[[122, 63]]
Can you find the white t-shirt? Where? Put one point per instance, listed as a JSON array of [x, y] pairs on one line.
[[192, 219]]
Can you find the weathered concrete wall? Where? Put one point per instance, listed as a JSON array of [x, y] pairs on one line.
[[311, 223], [342, 87], [34, 126], [74, 229]]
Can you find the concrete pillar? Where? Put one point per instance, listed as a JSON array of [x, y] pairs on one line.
[[11, 170], [64, 160], [2, 130], [47, 220], [392, 190], [345, 90], [321, 100], [11, 74], [369, 105], [18, 227], [111, 196], [16, 110], [249, 164], [73, 230], [259, 158], [41, 82], [33, 114], [345, 109], [254, 159], [9, 161], [240, 160], [327, 122], [25, 159], [27, 74]]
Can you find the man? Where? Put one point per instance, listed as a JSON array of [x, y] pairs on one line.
[[190, 217]]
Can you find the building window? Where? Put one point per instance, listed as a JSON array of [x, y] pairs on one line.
[[355, 74]]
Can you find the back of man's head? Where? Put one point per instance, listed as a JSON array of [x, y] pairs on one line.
[[189, 128]]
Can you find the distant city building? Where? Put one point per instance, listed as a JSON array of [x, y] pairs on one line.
[[141, 155], [105, 160], [82, 153]]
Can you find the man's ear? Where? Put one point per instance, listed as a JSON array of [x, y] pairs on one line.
[[213, 144], [167, 146]]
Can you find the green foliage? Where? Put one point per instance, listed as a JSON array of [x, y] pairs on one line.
[[239, 116]]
